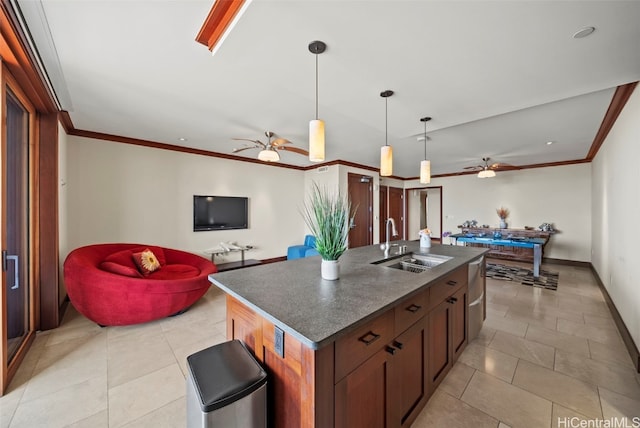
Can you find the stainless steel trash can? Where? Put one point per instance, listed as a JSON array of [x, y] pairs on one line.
[[226, 388], [476, 297]]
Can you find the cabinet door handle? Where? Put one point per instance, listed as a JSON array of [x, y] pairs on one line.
[[369, 338], [452, 300], [391, 350], [397, 344], [413, 308], [451, 282]]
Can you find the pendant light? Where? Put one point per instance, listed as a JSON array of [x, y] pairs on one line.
[[386, 151], [425, 165], [316, 126]]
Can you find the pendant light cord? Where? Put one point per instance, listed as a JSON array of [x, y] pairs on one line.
[[316, 86], [386, 121], [425, 140]]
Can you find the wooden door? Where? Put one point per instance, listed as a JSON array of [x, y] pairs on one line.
[[439, 327], [364, 398], [361, 194], [396, 210], [410, 363], [459, 323], [18, 213]]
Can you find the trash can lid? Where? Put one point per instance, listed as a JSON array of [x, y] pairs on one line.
[[224, 373]]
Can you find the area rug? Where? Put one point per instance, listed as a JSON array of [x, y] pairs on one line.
[[546, 279]]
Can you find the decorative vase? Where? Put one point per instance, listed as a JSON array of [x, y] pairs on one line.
[[503, 224], [330, 270]]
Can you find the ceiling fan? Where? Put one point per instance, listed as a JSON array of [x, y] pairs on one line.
[[269, 152], [487, 171]]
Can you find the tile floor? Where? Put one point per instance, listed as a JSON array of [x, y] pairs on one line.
[[543, 358]]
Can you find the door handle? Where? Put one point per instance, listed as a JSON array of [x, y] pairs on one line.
[[16, 273], [352, 223]]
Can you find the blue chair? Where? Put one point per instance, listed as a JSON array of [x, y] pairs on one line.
[[308, 249]]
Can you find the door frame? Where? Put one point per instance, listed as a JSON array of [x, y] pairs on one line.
[[9, 368], [406, 207]]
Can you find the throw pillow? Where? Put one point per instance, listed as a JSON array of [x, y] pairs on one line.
[[146, 261], [120, 269], [157, 251], [124, 258]]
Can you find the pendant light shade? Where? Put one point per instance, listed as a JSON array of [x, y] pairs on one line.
[[386, 152], [316, 140], [425, 171], [316, 126], [425, 165], [386, 161]]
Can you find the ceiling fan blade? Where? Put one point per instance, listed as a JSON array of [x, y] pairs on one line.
[[280, 141], [295, 150], [474, 167], [502, 167], [244, 148], [258, 142]]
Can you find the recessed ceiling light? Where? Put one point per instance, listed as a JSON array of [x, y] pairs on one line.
[[584, 32], [182, 139], [550, 143]]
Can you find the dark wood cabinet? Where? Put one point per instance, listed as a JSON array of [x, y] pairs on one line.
[[447, 333], [380, 374], [410, 372], [459, 321], [439, 322], [364, 398], [390, 387]]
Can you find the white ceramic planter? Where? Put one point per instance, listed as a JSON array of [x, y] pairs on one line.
[[330, 270]]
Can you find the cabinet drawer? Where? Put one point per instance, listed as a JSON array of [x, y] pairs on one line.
[[410, 311], [448, 285], [354, 348]]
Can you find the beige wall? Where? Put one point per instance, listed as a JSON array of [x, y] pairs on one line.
[[616, 213], [125, 193], [559, 195], [63, 224]]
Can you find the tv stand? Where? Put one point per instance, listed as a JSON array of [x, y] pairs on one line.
[[222, 267], [226, 248]]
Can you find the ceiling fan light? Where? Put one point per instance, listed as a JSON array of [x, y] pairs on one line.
[[269, 156], [386, 161], [425, 172], [316, 140], [486, 173]]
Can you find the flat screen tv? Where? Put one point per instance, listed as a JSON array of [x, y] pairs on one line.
[[220, 212]]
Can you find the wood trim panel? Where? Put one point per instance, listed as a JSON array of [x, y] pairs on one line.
[[175, 148], [547, 260], [66, 122], [218, 20], [622, 328], [21, 61], [274, 260], [619, 100], [48, 219]]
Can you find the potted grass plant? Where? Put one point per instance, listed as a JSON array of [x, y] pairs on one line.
[[327, 215]]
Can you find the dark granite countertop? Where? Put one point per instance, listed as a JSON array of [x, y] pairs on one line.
[[293, 296]]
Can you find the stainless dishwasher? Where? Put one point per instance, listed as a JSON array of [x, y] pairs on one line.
[[476, 297]]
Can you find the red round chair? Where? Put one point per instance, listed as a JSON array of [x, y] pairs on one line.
[[104, 285]]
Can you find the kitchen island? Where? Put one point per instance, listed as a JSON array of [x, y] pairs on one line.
[[365, 350]]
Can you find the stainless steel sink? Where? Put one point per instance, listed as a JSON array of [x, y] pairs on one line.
[[416, 263]]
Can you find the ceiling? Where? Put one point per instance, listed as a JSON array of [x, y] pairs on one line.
[[499, 78]]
